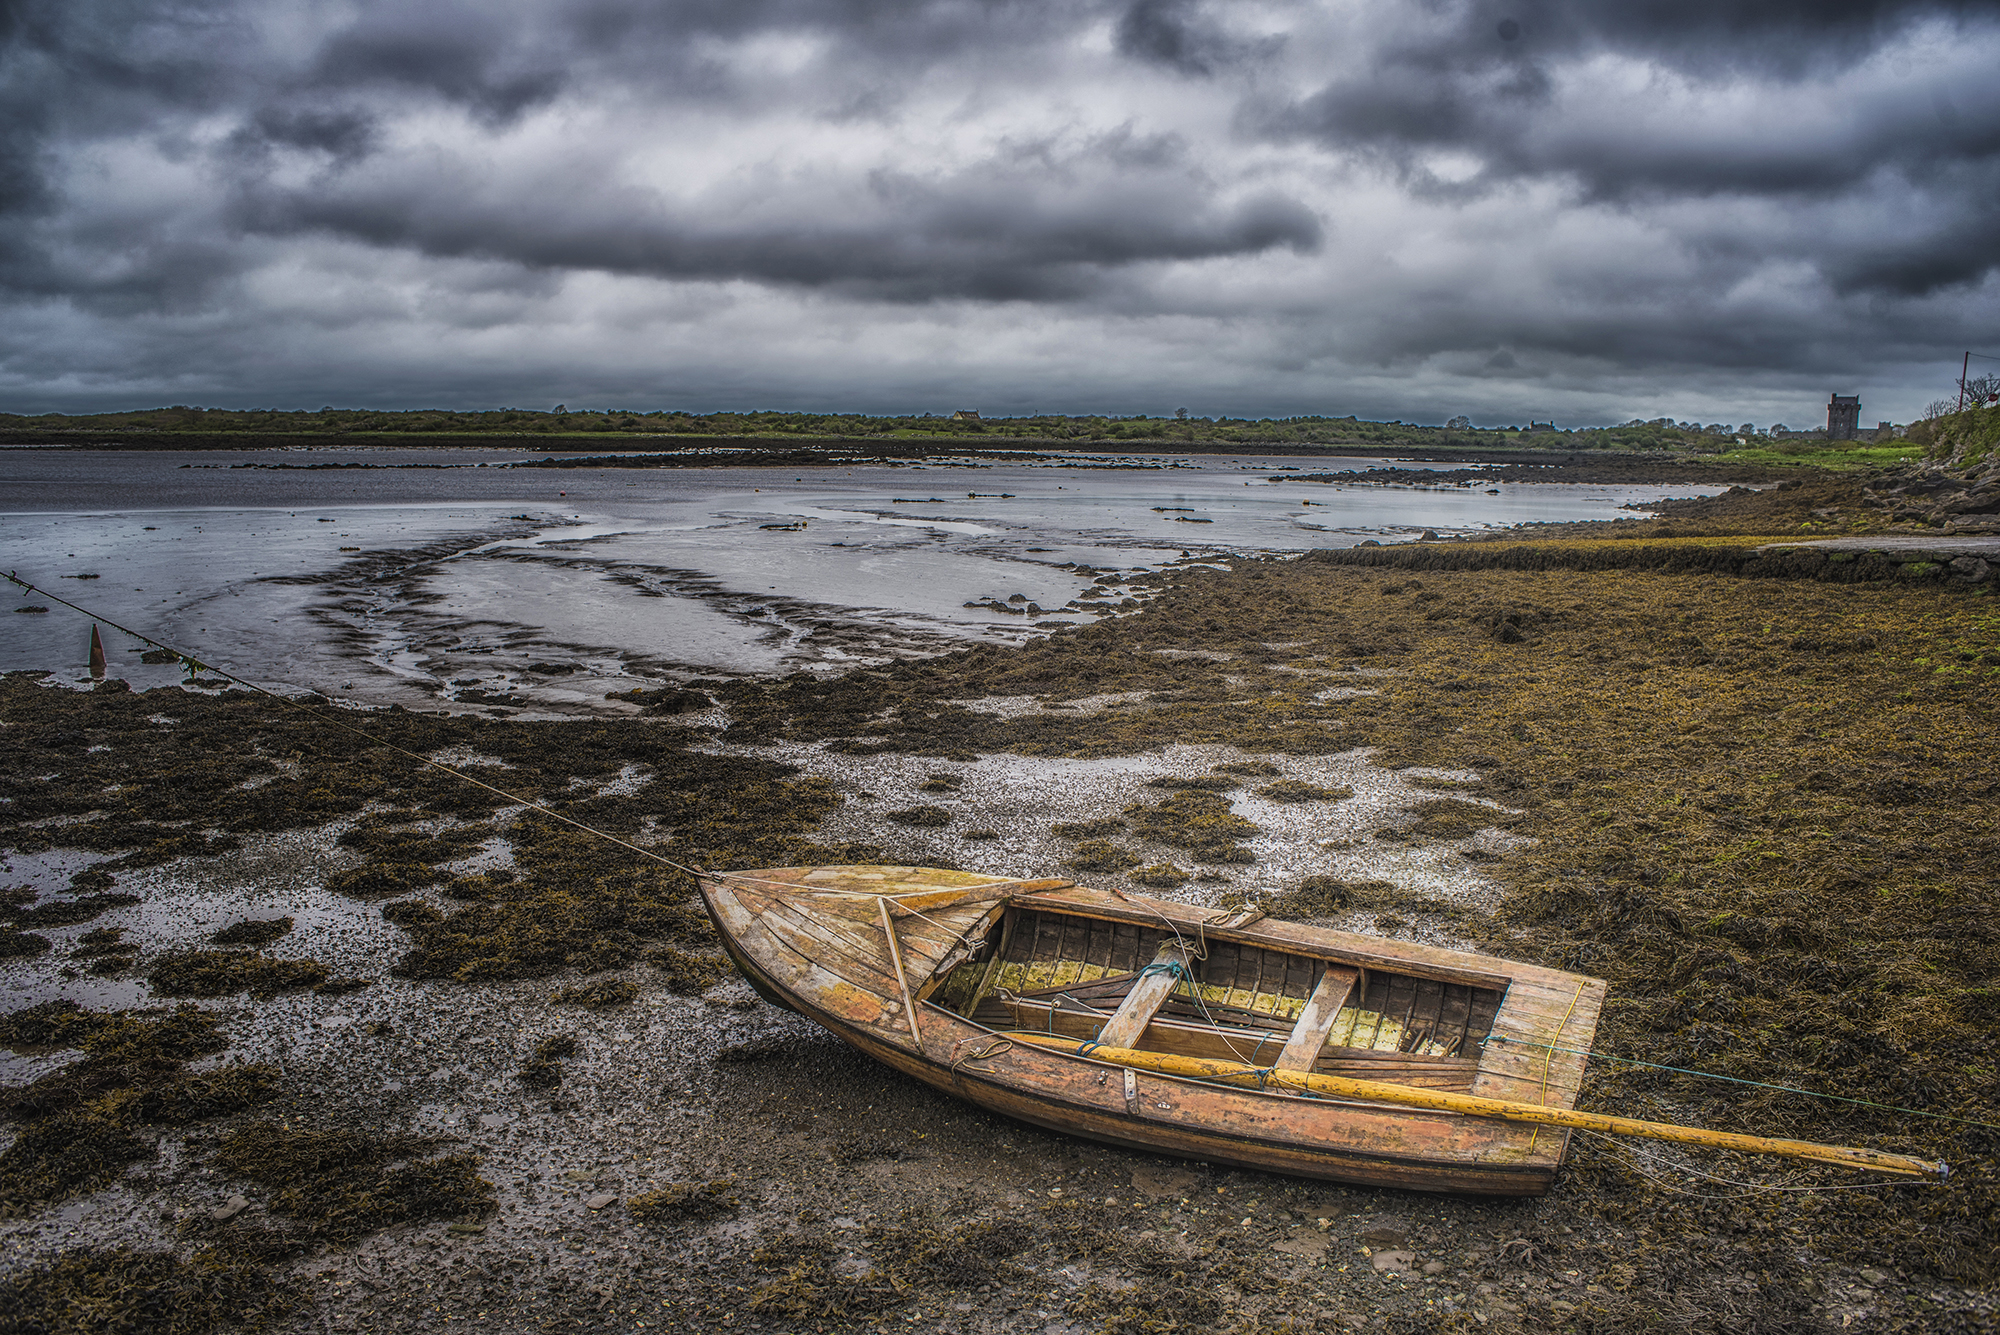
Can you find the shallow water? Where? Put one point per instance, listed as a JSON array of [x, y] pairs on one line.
[[427, 573]]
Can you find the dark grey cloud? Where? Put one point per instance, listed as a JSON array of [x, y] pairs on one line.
[[1038, 222], [1468, 202], [1179, 35]]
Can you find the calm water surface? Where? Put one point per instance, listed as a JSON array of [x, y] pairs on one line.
[[428, 573]]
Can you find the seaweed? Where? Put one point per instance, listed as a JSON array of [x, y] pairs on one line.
[[1211, 783], [686, 974], [205, 1094], [920, 815], [68, 912], [599, 995], [252, 932], [133, 1292], [102, 941], [1087, 829], [340, 1185], [1297, 790], [20, 945], [684, 1202], [219, 973], [1247, 768], [1102, 855], [411, 913], [1160, 875], [1200, 822], [63, 1153]]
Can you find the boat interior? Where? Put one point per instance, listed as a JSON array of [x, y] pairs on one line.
[[1146, 987]]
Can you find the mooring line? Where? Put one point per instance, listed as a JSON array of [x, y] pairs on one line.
[[199, 665]]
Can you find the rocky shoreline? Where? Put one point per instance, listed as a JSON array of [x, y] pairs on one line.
[[532, 1100]]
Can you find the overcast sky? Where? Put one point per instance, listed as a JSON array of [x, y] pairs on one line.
[[1711, 209]]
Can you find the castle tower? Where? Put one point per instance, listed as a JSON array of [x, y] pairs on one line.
[[1843, 416]]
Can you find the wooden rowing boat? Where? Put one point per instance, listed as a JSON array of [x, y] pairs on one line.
[[1017, 995]]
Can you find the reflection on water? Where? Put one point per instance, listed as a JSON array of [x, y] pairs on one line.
[[401, 583]]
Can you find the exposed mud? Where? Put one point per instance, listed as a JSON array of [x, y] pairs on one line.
[[1761, 807]]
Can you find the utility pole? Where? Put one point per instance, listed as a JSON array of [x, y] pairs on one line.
[[1964, 370]]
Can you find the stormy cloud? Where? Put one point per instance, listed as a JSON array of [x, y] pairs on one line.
[[1511, 208]]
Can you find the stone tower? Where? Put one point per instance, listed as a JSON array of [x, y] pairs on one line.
[[1843, 415]]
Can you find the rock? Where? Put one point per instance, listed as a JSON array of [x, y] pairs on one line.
[[1393, 1262], [230, 1208], [1873, 1276], [1434, 1267], [1971, 569], [601, 1199], [1386, 1235]]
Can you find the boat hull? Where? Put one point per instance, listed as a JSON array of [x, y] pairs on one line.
[[1068, 1093], [1184, 1136]]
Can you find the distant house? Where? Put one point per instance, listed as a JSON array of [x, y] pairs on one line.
[[1541, 426], [965, 415], [1843, 416]]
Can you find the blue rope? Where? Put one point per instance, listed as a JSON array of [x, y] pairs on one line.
[[1172, 968], [1738, 1080]]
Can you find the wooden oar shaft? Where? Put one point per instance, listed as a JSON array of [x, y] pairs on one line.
[[1438, 1100]]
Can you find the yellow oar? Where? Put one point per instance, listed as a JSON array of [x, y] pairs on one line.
[[1438, 1100]]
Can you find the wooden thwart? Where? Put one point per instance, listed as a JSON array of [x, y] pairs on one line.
[[1375, 1091], [1143, 1002], [1316, 1021]]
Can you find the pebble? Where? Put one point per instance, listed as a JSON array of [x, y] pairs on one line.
[[230, 1208], [601, 1199]]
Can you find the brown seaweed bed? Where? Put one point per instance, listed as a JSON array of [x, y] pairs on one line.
[[489, 1073]]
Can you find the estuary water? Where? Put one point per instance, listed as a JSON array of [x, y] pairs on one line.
[[449, 576]]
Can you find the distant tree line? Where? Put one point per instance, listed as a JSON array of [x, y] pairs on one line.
[[1152, 433]]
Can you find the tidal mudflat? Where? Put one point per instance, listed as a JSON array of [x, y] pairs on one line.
[[465, 578], [307, 1034]]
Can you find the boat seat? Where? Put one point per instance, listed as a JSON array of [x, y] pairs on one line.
[[1156, 982], [1315, 1022]]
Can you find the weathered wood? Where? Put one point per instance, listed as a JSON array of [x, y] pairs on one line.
[[1143, 1002], [1408, 957], [813, 939], [1315, 1022], [1845, 1156]]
